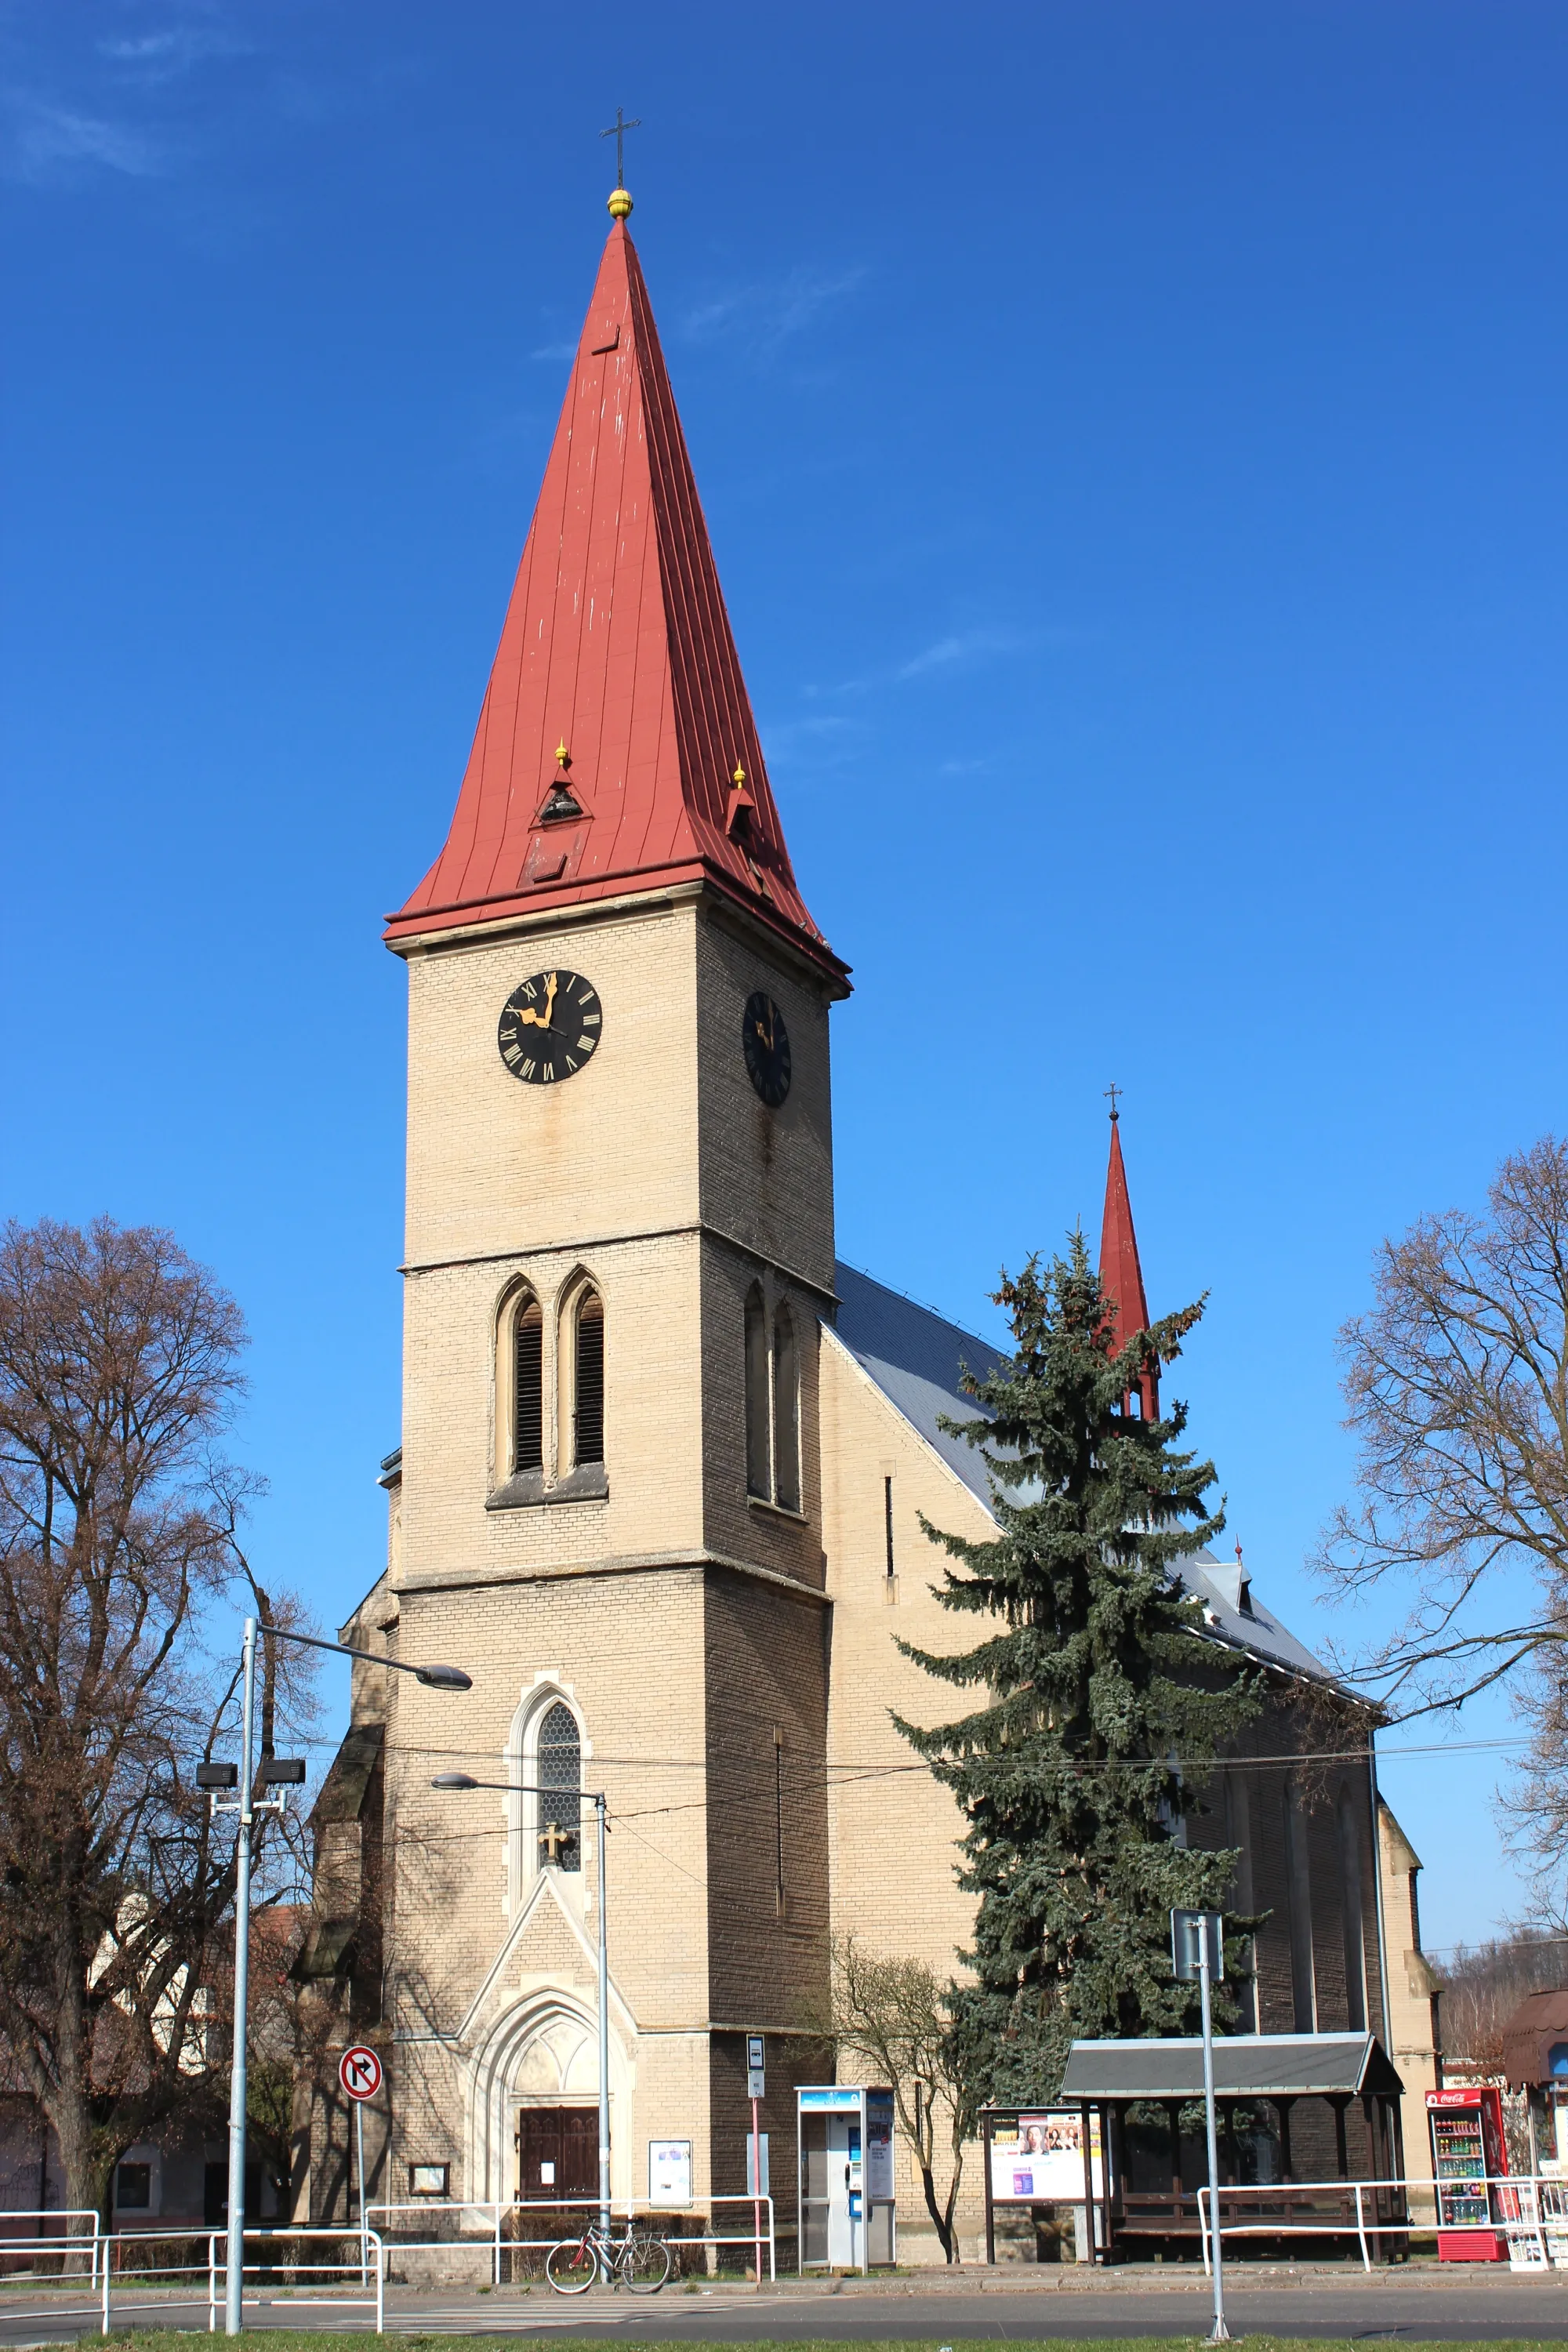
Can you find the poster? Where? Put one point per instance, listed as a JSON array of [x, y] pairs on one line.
[[669, 2172], [1038, 2160], [879, 2145]]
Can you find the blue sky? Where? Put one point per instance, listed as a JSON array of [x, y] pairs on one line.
[[1132, 438]]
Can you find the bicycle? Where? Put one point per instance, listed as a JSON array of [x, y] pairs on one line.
[[574, 2264]]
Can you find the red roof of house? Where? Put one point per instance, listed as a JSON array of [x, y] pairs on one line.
[[1120, 1274], [618, 646]]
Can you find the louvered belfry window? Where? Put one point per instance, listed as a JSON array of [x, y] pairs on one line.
[[588, 1382], [786, 1415], [560, 1779], [527, 1441], [759, 1447]]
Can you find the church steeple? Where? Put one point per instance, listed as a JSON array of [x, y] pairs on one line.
[[1120, 1274], [616, 752]]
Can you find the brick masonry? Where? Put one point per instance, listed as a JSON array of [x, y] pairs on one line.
[[733, 1667]]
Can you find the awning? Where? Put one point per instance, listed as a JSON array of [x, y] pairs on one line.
[[1535, 2041], [1246, 2066]]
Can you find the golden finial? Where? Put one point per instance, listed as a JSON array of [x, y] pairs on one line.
[[739, 775], [620, 202], [563, 756]]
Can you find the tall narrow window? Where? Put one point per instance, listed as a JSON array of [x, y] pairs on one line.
[[588, 1382], [559, 1772], [786, 1415], [1351, 1917], [888, 1512], [1298, 1879], [527, 1387], [778, 1824], [759, 1451]]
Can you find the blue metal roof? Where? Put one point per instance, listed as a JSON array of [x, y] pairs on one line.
[[915, 1356]]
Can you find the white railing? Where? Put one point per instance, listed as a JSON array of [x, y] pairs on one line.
[[1532, 2212], [495, 2235], [69, 2241], [364, 2241]]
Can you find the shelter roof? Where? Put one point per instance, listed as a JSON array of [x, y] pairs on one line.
[[1246, 2065], [617, 652]]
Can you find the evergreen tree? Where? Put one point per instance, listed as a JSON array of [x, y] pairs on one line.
[[1102, 1690]]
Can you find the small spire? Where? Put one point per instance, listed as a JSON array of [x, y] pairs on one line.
[[563, 756], [1120, 1274]]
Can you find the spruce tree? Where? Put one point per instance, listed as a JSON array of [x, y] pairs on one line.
[[1099, 1692]]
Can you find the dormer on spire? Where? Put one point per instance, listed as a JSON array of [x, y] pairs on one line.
[[1120, 1274]]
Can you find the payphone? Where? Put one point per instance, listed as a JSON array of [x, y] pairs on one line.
[[845, 2154]]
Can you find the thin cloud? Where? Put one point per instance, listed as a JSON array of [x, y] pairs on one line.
[[47, 146], [553, 352], [763, 316], [150, 59], [967, 645]]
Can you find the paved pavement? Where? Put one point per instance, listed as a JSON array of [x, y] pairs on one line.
[[1387, 2307]]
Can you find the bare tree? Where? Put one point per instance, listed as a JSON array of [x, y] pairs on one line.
[[896, 2014], [1483, 1984], [118, 1370], [1456, 1383]]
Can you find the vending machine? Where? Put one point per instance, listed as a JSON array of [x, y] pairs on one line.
[[1469, 2153]]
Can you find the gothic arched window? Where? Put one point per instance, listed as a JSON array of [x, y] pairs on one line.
[[558, 1773], [588, 1381], [786, 1415], [528, 1387], [759, 1445]]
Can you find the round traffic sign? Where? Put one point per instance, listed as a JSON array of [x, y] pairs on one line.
[[359, 2072]]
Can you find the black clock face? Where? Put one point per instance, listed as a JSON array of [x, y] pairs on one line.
[[767, 1043], [550, 1027]]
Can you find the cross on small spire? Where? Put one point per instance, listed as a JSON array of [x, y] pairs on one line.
[[618, 131], [1114, 1092]]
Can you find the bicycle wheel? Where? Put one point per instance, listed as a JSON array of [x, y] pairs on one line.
[[645, 2264], [571, 2266]]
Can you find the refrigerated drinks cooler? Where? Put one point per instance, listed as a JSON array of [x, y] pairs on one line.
[[1469, 2153]]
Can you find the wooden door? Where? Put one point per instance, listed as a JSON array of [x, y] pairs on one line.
[[557, 2152]]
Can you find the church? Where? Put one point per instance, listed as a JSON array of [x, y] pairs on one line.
[[664, 1459]]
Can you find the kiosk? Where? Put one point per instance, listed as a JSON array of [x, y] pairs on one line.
[[844, 2177]]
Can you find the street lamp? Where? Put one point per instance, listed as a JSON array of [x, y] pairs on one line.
[[524, 1789], [275, 1771]]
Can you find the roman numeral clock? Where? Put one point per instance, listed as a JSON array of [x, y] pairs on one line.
[[550, 1027]]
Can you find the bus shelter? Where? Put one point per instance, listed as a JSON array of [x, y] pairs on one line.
[[1299, 2114]]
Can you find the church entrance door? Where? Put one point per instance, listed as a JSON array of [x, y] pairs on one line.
[[557, 2152]]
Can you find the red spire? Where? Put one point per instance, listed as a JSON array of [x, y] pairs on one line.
[[1120, 1276], [616, 649]]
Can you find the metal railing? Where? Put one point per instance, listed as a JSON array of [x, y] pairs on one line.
[[501, 2242], [68, 2241], [1532, 2212]]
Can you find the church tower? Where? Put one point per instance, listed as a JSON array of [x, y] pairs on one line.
[[620, 1242]]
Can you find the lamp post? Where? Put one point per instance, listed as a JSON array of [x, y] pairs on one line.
[[1197, 1950], [516, 1788], [275, 1771]]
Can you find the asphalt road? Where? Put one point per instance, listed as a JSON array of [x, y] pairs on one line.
[[1386, 2308]]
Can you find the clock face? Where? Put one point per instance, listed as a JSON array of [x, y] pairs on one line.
[[765, 1041], [550, 1027]]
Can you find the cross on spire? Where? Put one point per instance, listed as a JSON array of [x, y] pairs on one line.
[[618, 131], [1114, 1092]]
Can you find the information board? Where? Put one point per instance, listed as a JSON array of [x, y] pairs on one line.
[[669, 2172], [1038, 2160]]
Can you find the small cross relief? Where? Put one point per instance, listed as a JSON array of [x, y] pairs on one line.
[[553, 1841]]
